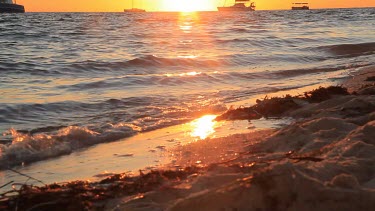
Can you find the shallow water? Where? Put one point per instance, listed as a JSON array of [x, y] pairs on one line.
[[71, 80], [146, 151]]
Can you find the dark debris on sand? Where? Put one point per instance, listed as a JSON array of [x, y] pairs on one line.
[[277, 106], [83, 195], [371, 78]]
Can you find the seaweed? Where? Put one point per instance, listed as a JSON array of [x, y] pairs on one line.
[[298, 158], [277, 106], [321, 94], [84, 195], [371, 78]]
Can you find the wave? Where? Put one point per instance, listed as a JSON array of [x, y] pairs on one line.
[[349, 50], [209, 78], [29, 68], [169, 79], [27, 148], [270, 41], [108, 121], [146, 62], [198, 78], [305, 71], [239, 30], [235, 40], [151, 60], [151, 64], [141, 65], [109, 110]]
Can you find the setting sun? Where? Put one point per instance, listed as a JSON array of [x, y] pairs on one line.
[[187, 5]]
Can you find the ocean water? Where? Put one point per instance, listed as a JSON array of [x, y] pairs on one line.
[[73, 80]]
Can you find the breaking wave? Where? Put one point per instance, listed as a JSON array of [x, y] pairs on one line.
[[27, 148], [349, 50]]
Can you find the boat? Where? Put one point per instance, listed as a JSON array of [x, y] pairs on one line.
[[239, 6], [7, 6], [134, 9], [300, 6]]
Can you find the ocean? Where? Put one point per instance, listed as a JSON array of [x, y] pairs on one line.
[[71, 81]]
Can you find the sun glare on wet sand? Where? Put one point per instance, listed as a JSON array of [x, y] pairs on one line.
[[204, 126]]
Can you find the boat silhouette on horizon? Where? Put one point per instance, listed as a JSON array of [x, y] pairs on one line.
[[134, 9], [238, 6], [300, 6], [8, 6]]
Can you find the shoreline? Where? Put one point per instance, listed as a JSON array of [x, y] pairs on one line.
[[327, 151], [322, 161]]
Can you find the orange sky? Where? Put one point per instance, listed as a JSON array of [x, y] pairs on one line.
[[155, 5]]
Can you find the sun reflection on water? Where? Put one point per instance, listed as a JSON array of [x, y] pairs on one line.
[[203, 127], [193, 73]]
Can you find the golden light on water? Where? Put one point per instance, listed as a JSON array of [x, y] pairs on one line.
[[188, 56], [190, 73], [193, 73], [203, 127]]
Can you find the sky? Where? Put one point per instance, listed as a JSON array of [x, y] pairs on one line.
[[174, 5]]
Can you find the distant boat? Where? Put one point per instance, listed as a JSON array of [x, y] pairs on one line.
[[300, 6], [7, 6], [239, 6], [134, 9]]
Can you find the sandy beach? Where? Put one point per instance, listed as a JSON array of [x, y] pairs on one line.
[[323, 161]]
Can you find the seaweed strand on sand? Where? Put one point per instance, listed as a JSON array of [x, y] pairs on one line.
[[277, 106], [84, 195]]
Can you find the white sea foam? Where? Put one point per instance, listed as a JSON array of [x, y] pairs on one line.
[[26, 148]]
